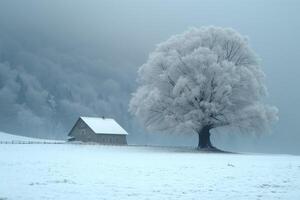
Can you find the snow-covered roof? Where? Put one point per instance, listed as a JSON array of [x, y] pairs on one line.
[[104, 125]]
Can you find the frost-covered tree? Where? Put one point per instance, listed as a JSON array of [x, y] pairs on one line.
[[200, 80]]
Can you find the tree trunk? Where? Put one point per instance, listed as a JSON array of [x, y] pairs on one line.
[[204, 138]]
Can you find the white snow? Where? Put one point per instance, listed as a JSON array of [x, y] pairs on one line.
[[6, 137], [73, 171], [104, 125]]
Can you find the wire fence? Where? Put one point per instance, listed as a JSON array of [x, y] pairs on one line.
[[31, 142]]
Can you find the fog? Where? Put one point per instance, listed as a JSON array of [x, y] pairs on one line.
[[63, 59]]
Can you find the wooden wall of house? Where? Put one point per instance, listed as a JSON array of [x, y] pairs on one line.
[[82, 132]]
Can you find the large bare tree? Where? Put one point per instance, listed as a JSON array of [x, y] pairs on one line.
[[200, 80]]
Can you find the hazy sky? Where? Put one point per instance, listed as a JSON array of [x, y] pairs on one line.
[[61, 59]]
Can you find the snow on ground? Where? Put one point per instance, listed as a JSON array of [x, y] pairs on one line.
[[75, 171], [6, 137]]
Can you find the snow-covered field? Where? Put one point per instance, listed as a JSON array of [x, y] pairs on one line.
[[74, 171]]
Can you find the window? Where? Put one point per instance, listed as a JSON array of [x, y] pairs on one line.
[[81, 125]]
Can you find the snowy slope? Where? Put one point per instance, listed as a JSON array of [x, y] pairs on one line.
[[70, 171], [6, 137]]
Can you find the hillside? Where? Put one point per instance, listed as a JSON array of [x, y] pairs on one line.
[[10, 138]]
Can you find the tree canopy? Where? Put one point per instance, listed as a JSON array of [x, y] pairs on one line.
[[205, 77]]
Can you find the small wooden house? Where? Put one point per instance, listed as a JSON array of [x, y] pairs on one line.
[[98, 130]]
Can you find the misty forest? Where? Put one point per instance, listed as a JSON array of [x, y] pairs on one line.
[[157, 99]]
